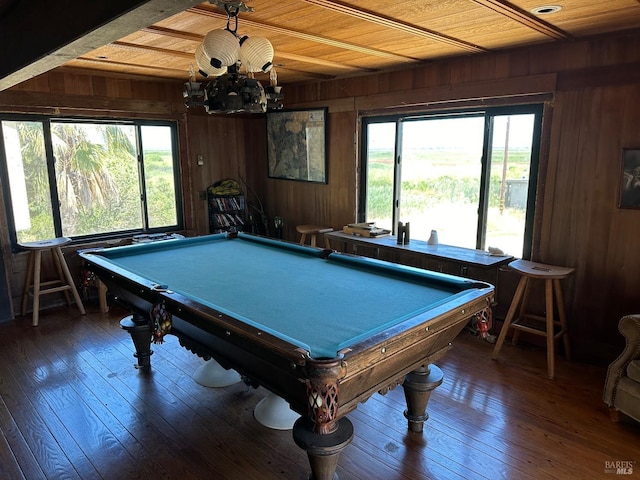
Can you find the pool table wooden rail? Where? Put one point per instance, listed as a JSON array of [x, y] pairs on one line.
[[382, 361], [372, 365]]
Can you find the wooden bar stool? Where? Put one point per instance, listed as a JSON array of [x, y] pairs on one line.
[[33, 286], [313, 231], [538, 325]]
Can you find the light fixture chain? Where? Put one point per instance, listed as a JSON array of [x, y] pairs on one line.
[[232, 12]]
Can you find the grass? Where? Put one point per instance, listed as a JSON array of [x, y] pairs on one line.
[[440, 190]]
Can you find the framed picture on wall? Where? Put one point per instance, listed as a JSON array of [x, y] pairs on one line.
[[297, 144], [630, 181]]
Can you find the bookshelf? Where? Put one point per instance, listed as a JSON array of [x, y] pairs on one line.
[[227, 211]]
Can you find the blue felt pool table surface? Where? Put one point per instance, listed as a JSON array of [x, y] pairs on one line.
[[320, 304]]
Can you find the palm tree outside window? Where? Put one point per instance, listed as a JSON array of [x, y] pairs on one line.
[[84, 179]]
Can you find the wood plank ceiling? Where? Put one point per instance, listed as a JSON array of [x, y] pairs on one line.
[[324, 39]]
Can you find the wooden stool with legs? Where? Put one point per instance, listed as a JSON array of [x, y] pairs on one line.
[[33, 285], [536, 324], [313, 231]]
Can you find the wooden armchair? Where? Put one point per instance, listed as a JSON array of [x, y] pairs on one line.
[[622, 386]]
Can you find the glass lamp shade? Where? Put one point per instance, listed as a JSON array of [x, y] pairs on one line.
[[204, 64], [256, 54], [222, 47]]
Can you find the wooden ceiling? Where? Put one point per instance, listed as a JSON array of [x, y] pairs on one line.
[[325, 39]]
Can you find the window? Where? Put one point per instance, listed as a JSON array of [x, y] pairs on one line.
[[469, 175], [84, 179]]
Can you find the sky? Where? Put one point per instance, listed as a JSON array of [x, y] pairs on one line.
[[444, 133]]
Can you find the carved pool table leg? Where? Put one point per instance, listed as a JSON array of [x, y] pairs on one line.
[[323, 450], [139, 328], [418, 386]]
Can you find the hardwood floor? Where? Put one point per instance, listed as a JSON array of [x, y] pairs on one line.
[[73, 407]]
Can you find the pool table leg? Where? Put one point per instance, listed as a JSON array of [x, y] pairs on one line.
[[418, 386], [139, 328], [323, 450]]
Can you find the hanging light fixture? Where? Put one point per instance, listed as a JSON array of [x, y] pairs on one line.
[[256, 54], [222, 47], [204, 64], [193, 91], [222, 55]]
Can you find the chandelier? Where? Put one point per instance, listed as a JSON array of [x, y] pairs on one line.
[[231, 61]]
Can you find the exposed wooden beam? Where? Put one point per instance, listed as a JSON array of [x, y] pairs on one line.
[[69, 29], [169, 32], [198, 38], [388, 22], [306, 73], [149, 48], [155, 70], [524, 18], [307, 36], [71, 68], [317, 61]]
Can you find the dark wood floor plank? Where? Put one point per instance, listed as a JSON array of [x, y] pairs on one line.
[[11, 440], [37, 422], [84, 430], [498, 425], [145, 460], [157, 405], [230, 409], [554, 419], [446, 455], [406, 452], [73, 406], [222, 424]]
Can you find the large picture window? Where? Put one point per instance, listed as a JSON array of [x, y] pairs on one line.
[[471, 176], [84, 179]]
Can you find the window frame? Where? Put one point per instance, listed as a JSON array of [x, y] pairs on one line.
[[46, 122], [489, 113]]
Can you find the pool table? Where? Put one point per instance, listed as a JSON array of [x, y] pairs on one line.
[[321, 329]]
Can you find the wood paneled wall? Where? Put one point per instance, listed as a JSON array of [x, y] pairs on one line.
[[227, 143], [591, 91]]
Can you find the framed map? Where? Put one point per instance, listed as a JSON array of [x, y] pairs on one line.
[[297, 145]]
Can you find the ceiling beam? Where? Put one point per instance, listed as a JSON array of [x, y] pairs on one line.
[[198, 38], [41, 35], [324, 63], [150, 48], [388, 22], [524, 18], [169, 32], [153, 69], [308, 36], [308, 74], [156, 68]]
